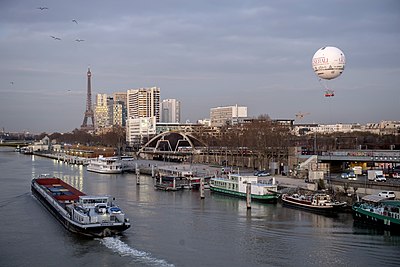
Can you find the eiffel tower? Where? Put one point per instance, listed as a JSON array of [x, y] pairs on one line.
[[89, 112]]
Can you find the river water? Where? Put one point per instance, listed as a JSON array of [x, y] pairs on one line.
[[175, 228]]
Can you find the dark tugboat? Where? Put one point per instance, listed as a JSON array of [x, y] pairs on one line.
[[318, 202]]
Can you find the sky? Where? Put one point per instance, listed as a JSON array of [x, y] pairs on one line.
[[203, 53]]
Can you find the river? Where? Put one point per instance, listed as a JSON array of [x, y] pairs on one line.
[[175, 228]]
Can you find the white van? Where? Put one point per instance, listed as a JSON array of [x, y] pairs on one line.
[[387, 194]]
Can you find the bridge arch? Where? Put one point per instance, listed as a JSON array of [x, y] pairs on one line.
[[173, 142]]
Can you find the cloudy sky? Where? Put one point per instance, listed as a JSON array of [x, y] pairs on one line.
[[204, 53]]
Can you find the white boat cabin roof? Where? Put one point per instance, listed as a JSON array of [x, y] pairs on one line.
[[373, 198], [241, 178], [93, 200]]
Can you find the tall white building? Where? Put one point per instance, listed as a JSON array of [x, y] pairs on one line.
[[140, 130], [144, 103], [229, 115], [170, 110], [143, 108]]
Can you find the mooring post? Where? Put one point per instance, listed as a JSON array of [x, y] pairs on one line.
[[137, 174], [202, 188], [152, 171], [174, 184], [248, 195]]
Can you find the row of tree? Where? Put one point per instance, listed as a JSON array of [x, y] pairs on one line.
[[264, 134], [261, 135], [115, 137]]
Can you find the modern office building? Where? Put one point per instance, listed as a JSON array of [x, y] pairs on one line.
[[170, 110], [143, 109], [144, 103], [120, 97], [119, 114], [140, 130], [103, 112], [119, 108], [229, 115]]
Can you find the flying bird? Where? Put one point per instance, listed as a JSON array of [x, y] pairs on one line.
[[12, 83], [55, 38], [79, 40], [300, 115], [74, 20], [42, 8]]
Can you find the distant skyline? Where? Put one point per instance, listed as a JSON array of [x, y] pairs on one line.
[[204, 53]]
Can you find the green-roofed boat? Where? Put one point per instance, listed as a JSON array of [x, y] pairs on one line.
[[235, 185], [378, 211]]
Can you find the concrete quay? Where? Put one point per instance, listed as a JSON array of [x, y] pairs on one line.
[[152, 167], [63, 157], [148, 167]]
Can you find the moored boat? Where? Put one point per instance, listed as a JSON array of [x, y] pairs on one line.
[[236, 185], [111, 165], [378, 211], [317, 202], [174, 178], [95, 216]]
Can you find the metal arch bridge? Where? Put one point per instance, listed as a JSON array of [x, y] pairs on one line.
[[172, 144]]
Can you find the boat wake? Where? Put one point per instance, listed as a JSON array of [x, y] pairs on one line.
[[123, 249], [6, 202]]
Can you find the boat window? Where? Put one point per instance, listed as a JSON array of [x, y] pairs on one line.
[[94, 200]]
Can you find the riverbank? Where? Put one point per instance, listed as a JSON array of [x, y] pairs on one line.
[[153, 168]]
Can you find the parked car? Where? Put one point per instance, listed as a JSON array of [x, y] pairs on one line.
[[351, 175], [348, 175], [261, 173], [344, 175], [387, 194]]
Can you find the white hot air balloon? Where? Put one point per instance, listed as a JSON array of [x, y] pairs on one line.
[[328, 63]]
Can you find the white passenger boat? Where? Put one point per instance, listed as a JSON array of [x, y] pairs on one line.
[[111, 165], [235, 185]]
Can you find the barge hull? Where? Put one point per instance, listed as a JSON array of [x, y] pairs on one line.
[[266, 198], [376, 220], [318, 210]]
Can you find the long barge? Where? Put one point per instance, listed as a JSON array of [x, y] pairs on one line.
[[94, 216]]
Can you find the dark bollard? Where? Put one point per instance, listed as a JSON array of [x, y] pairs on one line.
[[201, 188]]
